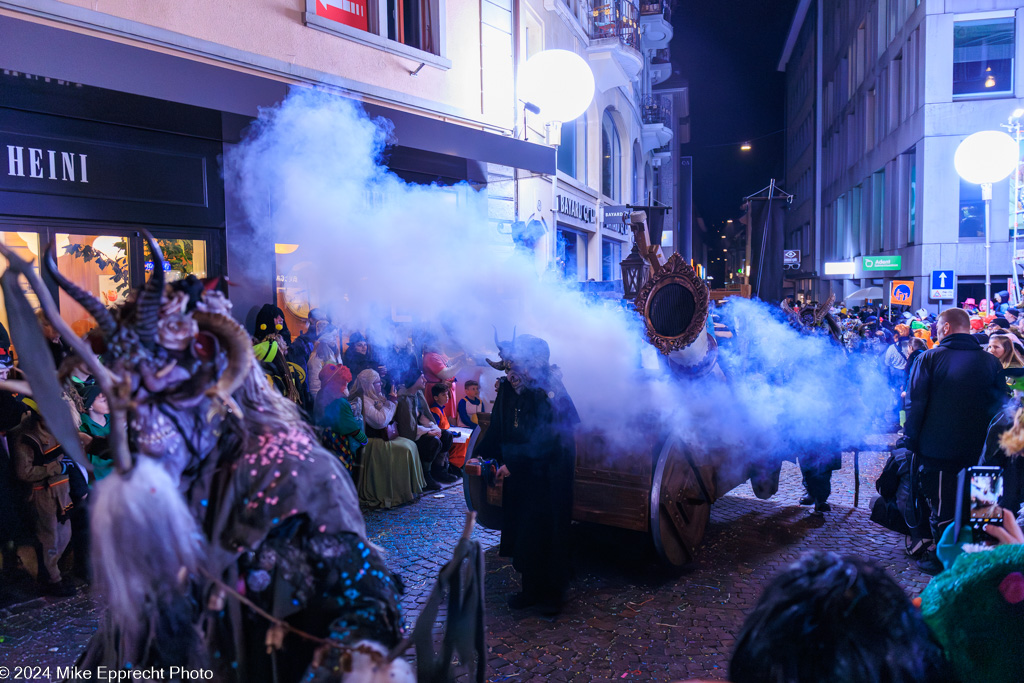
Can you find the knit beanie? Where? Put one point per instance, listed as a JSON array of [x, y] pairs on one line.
[[334, 378], [90, 395]]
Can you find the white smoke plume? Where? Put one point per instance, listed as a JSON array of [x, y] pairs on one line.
[[309, 174]]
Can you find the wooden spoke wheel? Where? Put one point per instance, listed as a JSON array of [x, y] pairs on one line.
[[681, 497]]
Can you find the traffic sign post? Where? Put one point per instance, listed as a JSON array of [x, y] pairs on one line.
[[942, 284]]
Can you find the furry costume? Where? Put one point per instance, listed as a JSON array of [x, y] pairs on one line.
[[231, 540]]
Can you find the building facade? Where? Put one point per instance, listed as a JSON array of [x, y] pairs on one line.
[[608, 157], [897, 85]]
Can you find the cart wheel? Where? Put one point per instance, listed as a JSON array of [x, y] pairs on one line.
[[680, 504]]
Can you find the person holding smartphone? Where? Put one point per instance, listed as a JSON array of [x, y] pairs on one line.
[[955, 390]]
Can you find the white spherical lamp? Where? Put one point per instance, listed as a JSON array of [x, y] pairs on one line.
[[986, 157], [559, 82]]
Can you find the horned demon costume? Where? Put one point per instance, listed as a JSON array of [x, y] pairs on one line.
[[532, 434], [234, 541]]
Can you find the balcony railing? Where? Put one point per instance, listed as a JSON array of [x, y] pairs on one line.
[[663, 7], [615, 19], [656, 110]]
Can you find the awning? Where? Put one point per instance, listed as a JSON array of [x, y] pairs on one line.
[[31, 48], [866, 294]]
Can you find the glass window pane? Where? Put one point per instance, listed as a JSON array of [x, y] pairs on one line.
[[99, 265], [181, 258], [972, 210], [567, 149], [25, 245], [983, 56]]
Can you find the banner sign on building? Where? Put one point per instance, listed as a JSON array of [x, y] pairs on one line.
[[901, 292], [791, 257], [616, 219], [942, 284], [882, 262], [349, 12]]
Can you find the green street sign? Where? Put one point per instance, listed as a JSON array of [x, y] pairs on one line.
[[882, 262]]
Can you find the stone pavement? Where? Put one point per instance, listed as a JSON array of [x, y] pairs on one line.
[[627, 617]]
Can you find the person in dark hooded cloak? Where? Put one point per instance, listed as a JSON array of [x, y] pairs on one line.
[[531, 438]]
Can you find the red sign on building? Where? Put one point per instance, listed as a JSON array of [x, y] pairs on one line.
[[349, 12]]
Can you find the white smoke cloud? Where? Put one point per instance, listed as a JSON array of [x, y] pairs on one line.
[[309, 174]]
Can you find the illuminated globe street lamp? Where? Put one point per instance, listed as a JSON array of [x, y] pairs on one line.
[[561, 85], [984, 158]]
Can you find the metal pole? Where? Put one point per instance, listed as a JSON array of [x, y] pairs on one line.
[[986, 194], [1013, 207], [1016, 214]]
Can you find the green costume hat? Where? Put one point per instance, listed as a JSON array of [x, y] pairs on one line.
[[976, 610]]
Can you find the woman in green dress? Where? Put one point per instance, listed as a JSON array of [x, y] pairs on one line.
[[392, 473]]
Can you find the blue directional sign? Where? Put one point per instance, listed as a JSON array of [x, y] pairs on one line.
[[942, 284]]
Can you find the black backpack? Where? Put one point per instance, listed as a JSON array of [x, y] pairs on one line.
[[899, 505]]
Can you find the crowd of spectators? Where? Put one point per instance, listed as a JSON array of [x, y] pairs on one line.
[[388, 411]]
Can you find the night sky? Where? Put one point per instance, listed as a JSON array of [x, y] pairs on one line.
[[729, 51]]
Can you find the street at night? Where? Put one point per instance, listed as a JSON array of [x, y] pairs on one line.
[[423, 341], [626, 617]]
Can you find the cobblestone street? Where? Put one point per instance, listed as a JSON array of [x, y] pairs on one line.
[[627, 618]]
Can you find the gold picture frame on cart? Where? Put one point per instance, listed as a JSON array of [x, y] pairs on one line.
[[674, 303]]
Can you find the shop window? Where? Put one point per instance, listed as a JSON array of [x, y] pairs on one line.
[[983, 57], [25, 245], [611, 158], [611, 257], [571, 256], [181, 258], [102, 266], [972, 211], [99, 264]]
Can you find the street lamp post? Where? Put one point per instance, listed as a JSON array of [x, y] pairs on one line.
[[561, 85], [984, 158]]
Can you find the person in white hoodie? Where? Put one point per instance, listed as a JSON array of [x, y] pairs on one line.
[[325, 350]]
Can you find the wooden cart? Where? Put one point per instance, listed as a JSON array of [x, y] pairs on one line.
[[656, 486]]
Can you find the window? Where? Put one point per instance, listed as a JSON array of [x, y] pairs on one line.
[[983, 57], [611, 257], [611, 158], [636, 174], [912, 197], [571, 257], [406, 27], [972, 211], [567, 149], [25, 245], [877, 237]]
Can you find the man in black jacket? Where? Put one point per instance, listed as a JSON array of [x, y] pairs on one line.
[[955, 389]]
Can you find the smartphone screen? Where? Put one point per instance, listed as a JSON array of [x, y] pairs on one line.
[[986, 490]]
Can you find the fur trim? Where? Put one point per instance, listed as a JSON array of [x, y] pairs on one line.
[[145, 545]]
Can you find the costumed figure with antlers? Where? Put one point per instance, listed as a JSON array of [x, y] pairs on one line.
[[229, 540], [531, 437]]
